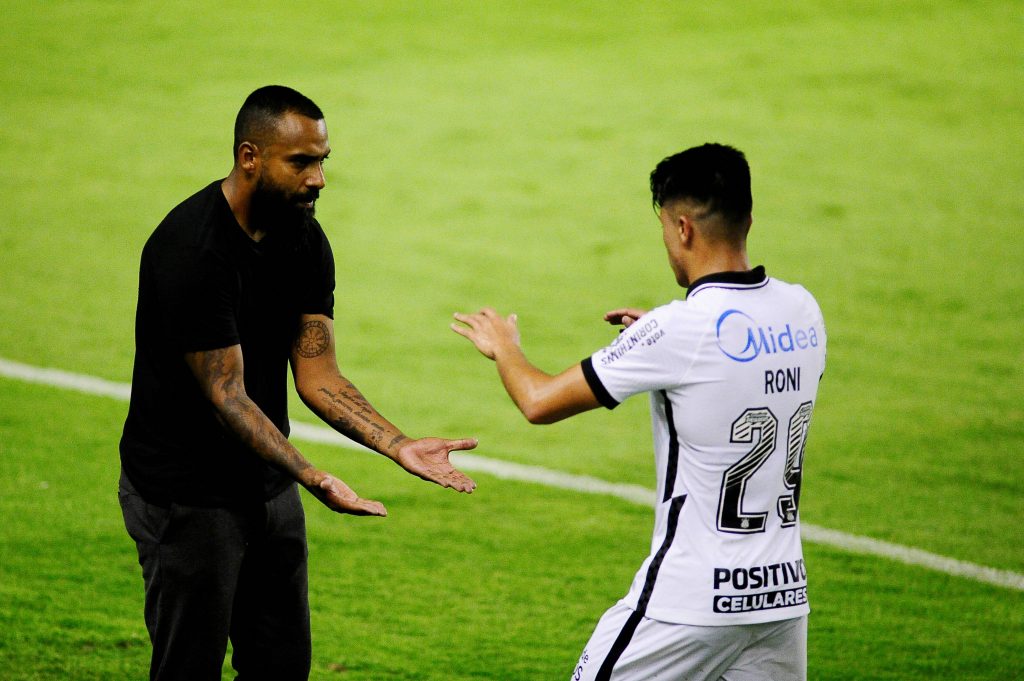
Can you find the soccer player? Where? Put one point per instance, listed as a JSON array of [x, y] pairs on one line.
[[732, 372], [236, 282]]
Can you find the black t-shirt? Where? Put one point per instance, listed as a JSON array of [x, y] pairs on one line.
[[204, 284]]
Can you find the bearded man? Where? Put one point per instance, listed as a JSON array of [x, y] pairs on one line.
[[236, 283]]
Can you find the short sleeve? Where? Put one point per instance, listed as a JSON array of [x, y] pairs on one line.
[[317, 293], [653, 353], [198, 299]]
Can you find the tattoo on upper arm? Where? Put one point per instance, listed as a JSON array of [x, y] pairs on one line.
[[313, 340]]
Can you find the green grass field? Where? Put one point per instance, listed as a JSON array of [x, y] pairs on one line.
[[497, 153]]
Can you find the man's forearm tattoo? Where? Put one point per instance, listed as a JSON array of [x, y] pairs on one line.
[[353, 415], [243, 418], [313, 340]]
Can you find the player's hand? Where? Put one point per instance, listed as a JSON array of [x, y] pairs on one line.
[[624, 316], [488, 330], [427, 458], [339, 497]]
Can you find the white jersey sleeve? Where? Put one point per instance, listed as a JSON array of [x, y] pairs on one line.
[[654, 353]]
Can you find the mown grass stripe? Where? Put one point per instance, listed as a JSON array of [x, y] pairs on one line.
[[542, 476]]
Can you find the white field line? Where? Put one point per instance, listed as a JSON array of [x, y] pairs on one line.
[[543, 476]]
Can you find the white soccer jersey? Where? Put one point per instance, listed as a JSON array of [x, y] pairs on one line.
[[733, 373]]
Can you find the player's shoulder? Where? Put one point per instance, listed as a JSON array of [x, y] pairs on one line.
[[793, 288], [678, 322], [751, 292], [797, 293], [675, 312]]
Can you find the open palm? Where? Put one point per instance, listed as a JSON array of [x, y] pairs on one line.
[[427, 458], [339, 497]]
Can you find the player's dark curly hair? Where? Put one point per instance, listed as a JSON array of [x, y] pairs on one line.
[[265, 107], [714, 176]]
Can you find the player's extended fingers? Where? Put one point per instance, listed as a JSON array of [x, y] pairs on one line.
[[485, 320], [470, 325], [367, 507], [479, 330], [464, 331], [464, 443], [467, 319], [340, 498], [477, 322], [464, 484], [458, 481], [455, 478], [447, 476]]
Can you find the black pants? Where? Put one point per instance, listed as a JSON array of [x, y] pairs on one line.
[[214, 573]]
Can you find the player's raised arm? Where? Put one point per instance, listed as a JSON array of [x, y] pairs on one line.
[[541, 397], [339, 403]]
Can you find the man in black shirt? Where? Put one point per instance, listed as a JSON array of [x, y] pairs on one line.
[[235, 283]]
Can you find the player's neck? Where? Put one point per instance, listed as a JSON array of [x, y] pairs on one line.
[[713, 261]]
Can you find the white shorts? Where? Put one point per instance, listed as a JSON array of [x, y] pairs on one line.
[[626, 646]]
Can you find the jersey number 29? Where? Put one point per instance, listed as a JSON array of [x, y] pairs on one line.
[[763, 423]]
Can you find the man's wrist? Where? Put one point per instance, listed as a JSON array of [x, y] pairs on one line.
[[395, 444], [310, 477]]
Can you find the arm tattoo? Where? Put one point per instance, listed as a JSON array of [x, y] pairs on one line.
[[353, 415], [243, 417], [313, 340]]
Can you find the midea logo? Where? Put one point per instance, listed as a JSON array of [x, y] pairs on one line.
[[742, 339]]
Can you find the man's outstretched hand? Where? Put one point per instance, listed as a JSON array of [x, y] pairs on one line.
[[339, 497], [427, 458]]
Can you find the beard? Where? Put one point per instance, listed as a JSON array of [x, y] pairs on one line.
[[276, 210]]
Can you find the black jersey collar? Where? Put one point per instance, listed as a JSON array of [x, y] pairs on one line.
[[754, 278]]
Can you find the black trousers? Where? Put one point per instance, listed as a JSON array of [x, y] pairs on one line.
[[215, 573]]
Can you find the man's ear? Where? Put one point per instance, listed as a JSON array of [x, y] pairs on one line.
[[686, 228], [248, 157]]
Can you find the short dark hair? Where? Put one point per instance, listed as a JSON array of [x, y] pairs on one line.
[[264, 108], [715, 176]]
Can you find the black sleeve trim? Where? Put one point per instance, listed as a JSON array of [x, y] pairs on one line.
[[600, 392]]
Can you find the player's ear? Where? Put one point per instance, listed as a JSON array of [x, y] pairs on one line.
[[685, 226]]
